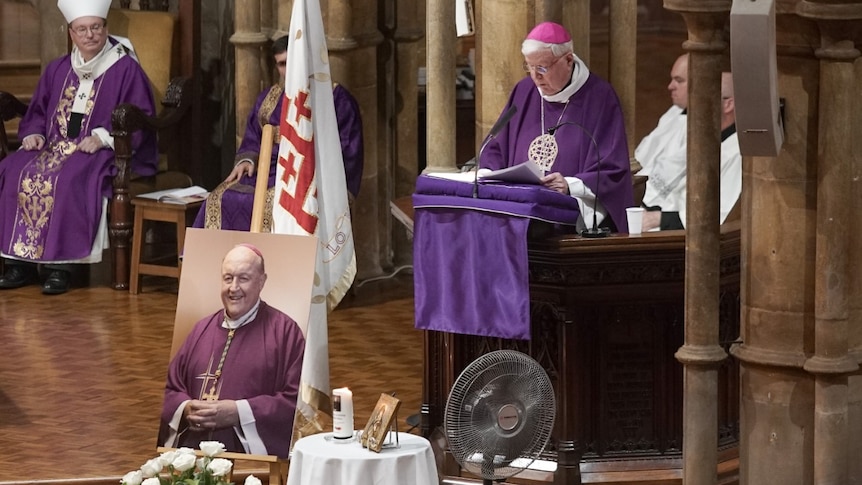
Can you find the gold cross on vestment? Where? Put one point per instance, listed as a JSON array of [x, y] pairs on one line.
[[210, 379]]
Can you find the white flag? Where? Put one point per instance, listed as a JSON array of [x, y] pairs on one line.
[[311, 198]]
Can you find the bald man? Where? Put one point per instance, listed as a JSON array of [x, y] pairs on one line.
[[665, 164], [236, 377]]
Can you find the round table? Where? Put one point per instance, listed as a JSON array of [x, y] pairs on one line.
[[317, 460]]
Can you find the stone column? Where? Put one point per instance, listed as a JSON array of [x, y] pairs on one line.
[[549, 10], [503, 26], [247, 41], [623, 60], [440, 87], [576, 18], [408, 34], [701, 353], [352, 37], [53, 32], [282, 26], [831, 364], [779, 214]]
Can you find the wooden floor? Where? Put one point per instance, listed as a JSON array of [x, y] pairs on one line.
[[82, 374]]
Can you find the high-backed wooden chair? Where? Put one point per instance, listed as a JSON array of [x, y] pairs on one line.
[[168, 48]]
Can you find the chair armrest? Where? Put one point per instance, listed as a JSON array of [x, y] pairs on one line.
[[10, 108], [126, 119]]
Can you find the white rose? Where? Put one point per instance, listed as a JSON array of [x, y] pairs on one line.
[[167, 457], [132, 478], [152, 481], [185, 450], [211, 448], [202, 463], [183, 462], [252, 480], [220, 467], [151, 468]]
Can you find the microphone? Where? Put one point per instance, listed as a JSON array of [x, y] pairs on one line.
[[594, 231], [501, 122]]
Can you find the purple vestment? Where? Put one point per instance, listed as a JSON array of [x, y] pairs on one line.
[[51, 200], [593, 111], [229, 206], [263, 366]]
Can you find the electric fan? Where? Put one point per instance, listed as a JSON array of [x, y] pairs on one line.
[[499, 415]]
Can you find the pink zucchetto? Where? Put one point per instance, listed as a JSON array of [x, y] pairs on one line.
[[550, 33]]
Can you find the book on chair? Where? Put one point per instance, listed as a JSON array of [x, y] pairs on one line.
[[184, 196]]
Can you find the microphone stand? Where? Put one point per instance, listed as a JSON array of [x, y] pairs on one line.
[[593, 232], [501, 122]]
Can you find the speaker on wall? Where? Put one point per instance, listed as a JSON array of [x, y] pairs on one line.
[[755, 77]]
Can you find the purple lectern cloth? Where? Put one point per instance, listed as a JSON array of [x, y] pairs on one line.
[[470, 255]]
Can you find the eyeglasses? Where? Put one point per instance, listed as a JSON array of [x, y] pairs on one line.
[[82, 30], [542, 70]]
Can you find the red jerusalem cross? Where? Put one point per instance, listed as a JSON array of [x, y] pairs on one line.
[[301, 154]]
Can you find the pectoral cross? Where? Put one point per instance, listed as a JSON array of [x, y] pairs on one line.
[[212, 380]]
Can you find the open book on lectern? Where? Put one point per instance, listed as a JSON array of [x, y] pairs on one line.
[[523, 173]]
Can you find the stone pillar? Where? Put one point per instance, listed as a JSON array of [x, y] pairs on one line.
[[440, 87], [549, 10], [503, 26], [576, 18], [408, 35], [53, 32], [778, 251], [623, 60], [701, 353], [831, 364], [247, 41], [352, 37], [284, 10]]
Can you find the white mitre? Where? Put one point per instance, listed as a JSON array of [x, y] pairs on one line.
[[74, 9]]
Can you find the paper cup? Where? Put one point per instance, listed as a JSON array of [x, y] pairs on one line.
[[635, 216]]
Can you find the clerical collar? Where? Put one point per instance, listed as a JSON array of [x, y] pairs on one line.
[[580, 74], [239, 322], [725, 133], [100, 63]]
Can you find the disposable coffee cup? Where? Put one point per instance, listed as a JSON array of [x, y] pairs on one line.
[[635, 216]]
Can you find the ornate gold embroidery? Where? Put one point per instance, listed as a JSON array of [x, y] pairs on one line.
[[36, 194], [269, 103]]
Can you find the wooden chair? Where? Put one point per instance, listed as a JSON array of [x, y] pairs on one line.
[[166, 44]]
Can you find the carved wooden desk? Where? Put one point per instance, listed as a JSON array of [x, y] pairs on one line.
[[606, 320]]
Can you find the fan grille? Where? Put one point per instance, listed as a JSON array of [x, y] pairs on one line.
[[500, 414]]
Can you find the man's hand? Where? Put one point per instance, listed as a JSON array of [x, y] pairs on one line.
[[556, 181], [33, 142], [209, 415], [652, 219], [91, 144], [240, 169]]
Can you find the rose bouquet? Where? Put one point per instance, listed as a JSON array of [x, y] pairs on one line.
[[183, 467]]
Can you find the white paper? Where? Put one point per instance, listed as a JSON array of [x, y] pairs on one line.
[[178, 196], [522, 173]]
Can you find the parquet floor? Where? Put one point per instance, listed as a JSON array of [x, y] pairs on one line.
[[82, 374]]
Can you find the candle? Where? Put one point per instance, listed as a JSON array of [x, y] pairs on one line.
[[342, 413]]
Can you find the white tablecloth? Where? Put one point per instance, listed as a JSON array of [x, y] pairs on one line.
[[317, 460]]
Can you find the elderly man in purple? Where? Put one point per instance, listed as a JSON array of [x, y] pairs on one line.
[[569, 122], [230, 205], [236, 377], [54, 191]]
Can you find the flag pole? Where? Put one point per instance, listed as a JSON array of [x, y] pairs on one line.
[[263, 162]]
